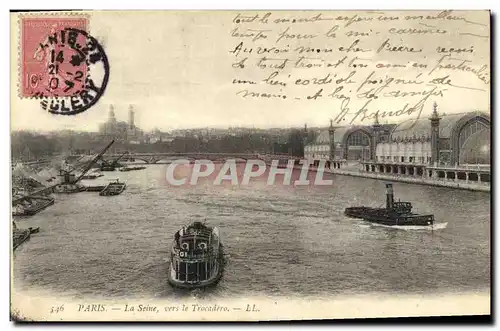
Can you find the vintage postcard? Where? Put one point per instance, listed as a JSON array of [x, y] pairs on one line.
[[250, 165]]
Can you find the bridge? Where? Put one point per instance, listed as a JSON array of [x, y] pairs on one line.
[[154, 158]]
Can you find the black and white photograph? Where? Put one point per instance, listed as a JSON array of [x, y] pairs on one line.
[[249, 165]]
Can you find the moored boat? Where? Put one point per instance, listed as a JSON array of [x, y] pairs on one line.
[[108, 168], [93, 175], [95, 188], [36, 205], [197, 257], [113, 188], [394, 214], [19, 235], [132, 168], [68, 188], [34, 230]]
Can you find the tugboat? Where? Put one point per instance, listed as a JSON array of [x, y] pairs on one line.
[[197, 257], [395, 213]]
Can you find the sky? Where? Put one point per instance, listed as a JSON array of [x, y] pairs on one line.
[[176, 69]]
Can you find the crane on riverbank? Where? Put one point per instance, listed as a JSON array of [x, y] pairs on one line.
[[111, 166], [69, 181]]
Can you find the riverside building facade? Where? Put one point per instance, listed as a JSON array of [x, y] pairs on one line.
[[449, 147]]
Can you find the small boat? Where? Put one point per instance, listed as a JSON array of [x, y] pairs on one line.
[[132, 168], [92, 175], [34, 230], [108, 168], [197, 257], [394, 214], [113, 188]]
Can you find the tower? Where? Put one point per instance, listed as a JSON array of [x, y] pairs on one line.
[[131, 124], [435, 135], [375, 137], [305, 135], [331, 134], [111, 115], [305, 138], [389, 200]]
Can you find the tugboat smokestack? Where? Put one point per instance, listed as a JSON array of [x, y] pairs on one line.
[[390, 197]]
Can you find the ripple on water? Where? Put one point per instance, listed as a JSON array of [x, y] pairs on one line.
[[279, 241]]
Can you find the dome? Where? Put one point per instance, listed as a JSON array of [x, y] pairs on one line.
[[476, 149]]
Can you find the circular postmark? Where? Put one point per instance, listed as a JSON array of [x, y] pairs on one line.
[[74, 75]]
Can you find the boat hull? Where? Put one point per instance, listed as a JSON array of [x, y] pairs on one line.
[[113, 189], [34, 230], [20, 236], [381, 216], [132, 169], [69, 189], [90, 177], [97, 188], [212, 281], [35, 209]]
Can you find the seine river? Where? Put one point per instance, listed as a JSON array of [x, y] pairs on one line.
[[280, 240]]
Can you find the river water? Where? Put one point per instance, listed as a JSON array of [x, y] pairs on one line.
[[280, 240]]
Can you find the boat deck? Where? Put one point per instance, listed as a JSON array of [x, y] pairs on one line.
[[38, 204], [19, 237], [113, 188], [197, 258], [97, 188]]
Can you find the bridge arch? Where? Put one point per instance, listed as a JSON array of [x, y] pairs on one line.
[[172, 158]]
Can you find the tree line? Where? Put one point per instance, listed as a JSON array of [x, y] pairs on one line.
[[27, 145]]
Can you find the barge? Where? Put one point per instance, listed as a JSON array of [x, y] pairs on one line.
[[95, 188], [67, 188], [37, 204], [113, 188], [19, 236], [197, 257], [92, 175], [394, 214], [108, 168]]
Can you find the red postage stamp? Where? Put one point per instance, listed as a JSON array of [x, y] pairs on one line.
[[52, 62]]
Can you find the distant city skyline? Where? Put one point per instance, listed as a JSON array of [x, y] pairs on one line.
[[122, 115]]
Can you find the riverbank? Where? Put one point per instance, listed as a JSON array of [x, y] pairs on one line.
[[414, 180]]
